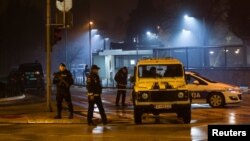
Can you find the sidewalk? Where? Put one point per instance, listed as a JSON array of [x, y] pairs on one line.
[[12, 98], [30, 110], [34, 112]]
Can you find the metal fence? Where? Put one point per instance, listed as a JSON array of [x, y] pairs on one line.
[[106, 82]]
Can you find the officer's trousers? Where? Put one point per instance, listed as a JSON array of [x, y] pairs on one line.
[[97, 100], [63, 94], [119, 93]]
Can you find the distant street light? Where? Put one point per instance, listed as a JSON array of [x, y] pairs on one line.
[[191, 23], [185, 16], [105, 43], [186, 31], [148, 33]]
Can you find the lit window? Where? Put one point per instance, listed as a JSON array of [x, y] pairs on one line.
[[132, 62]]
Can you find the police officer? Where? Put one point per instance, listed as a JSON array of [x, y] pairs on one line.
[[63, 80], [121, 78], [94, 88], [85, 73]]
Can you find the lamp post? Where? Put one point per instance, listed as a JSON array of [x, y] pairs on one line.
[[48, 55], [90, 48]]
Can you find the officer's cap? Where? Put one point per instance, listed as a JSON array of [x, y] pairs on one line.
[[95, 67], [62, 64]]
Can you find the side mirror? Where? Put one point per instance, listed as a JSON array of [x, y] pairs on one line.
[[196, 82]]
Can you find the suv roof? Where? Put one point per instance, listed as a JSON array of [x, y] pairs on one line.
[[168, 60], [191, 72]]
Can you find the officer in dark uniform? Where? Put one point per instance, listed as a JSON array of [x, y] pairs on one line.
[[94, 88], [121, 78], [63, 80]]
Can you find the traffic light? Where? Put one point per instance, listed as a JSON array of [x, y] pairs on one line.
[[56, 35]]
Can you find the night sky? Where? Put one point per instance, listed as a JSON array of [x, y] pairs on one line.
[[23, 27]]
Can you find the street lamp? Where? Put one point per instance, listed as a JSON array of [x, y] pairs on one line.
[[197, 26], [90, 48], [105, 43]]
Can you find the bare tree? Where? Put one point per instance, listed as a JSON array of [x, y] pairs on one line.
[[239, 19]]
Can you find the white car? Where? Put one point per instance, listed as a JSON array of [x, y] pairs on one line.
[[216, 94]]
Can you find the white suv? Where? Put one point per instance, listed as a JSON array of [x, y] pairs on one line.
[[217, 94], [160, 87]]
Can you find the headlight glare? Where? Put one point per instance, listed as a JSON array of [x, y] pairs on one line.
[[180, 95]]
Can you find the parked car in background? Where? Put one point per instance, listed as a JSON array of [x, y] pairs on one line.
[[216, 94], [31, 76], [10, 85]]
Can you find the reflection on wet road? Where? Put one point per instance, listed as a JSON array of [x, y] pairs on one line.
[[122, 128]]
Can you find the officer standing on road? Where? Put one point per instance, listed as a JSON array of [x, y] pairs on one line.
[[94, 88], [121, 78], [63, 80], [85, 73]]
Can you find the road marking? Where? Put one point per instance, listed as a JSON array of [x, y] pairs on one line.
[[12, 98]]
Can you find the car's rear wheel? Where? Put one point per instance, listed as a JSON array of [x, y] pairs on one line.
[[216, 100]]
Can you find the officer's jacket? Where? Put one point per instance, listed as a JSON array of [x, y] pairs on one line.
[[121, 77], [63, 79], [94, 84]]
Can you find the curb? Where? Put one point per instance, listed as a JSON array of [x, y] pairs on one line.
[[42, 120], [12, 98]]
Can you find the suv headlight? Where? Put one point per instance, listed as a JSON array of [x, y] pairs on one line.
[[144, 96], [180, 95]]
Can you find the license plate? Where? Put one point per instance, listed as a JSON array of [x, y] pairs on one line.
[[163, 106], [32, 78]]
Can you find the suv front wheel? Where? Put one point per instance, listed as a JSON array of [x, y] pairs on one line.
[[185, 114], [137, 115]]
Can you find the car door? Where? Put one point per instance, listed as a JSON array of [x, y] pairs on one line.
[[198, 88]]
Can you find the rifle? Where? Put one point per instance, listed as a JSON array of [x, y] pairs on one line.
[[61, 80]]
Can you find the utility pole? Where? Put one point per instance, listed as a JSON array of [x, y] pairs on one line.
[[90, 24], [90, 47], [48, 55]]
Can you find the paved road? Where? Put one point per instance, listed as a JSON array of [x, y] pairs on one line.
[[122, 127]]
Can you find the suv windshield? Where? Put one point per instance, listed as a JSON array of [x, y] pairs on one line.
[[160, 70], [33, 68]]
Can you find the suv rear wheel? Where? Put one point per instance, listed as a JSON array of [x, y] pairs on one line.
[[186, 114]]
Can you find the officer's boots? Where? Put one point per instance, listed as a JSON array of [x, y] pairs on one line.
[[58, 116], [70, 115], [70, 111]]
